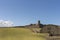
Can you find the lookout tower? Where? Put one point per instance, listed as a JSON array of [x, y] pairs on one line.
[[39, 24]]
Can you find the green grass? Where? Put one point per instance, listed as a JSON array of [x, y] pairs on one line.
[[20, 34]]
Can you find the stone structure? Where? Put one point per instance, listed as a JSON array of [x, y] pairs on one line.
[[37, 25]]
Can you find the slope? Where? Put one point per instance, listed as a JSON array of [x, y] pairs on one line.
[[19, 34]]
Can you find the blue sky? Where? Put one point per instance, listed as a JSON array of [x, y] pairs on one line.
[[23, 12]]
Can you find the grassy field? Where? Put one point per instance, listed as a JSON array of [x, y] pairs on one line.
[[20, 34]]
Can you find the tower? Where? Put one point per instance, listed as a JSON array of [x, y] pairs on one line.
[[39, 23]]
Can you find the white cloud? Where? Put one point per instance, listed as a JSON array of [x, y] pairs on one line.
[[6, 23]]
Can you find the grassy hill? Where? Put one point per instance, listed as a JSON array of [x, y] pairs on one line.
[[20, 34]]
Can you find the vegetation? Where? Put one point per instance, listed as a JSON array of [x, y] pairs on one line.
[[20, 34]]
